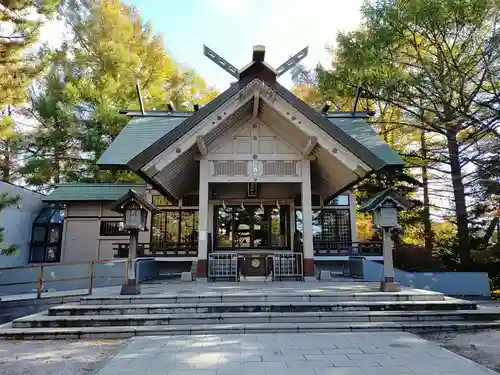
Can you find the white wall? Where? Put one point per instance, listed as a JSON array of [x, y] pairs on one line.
[[18, 221]]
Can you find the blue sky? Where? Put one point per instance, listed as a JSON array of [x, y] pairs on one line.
[[232, 27]]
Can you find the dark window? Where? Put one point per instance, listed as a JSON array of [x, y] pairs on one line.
[[298, 200], [330, 227], [252, 227], [112, 228], [191, 200], [190, 223], [46, 235], [174, 228], [316, 200], [162, 201]]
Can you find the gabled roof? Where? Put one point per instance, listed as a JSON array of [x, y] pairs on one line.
[[381, 197], [170, 137], [145, 137], [135, 137], [90, 192], [132, 196], [353, 133]]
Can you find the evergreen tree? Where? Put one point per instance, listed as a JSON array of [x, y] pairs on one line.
[[19, 64], [94, 75], [437, 62]]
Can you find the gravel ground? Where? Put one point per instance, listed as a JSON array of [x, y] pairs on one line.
[[55, 357], [480, 346]]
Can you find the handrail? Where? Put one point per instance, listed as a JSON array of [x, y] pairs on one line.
[[91, 276], [49, 264]]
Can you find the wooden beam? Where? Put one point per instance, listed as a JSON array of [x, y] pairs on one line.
[[201, 145], [311, 143], [256, 97]]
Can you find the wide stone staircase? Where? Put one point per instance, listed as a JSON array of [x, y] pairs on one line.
[[209, 313]]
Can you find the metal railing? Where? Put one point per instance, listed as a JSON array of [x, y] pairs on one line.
[[223, 266], [288, 265], [41, 281], [226, 266], [163, 249]]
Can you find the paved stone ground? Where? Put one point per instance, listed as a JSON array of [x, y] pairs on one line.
[[55, 357], [369, 353], [480, 346]]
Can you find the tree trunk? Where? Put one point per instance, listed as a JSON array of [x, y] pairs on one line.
[[426, 214], [489, 232], [6, 172], [57, 168], [459, 195]]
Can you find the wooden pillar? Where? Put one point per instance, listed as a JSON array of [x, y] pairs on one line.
[[307, 236], [201, 271]]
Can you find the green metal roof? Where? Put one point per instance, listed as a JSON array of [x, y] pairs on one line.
[[377, 199], [145, 137], [135, 137], [364, 134], [90, 192]]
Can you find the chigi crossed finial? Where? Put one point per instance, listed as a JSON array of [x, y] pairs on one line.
[[258, 56]]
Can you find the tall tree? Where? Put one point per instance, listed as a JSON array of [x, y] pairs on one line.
[[53, 149], [19, 63], [94, 75], [436, 61]]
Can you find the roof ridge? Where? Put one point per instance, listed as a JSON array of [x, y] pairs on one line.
[[99, 184]]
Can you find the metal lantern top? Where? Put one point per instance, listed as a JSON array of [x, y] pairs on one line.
[[134, 208], [384, 207]]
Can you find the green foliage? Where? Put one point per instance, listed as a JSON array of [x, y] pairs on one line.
[[92, 77], [434, 64], [21, 21], [20, 63], [7, 201]]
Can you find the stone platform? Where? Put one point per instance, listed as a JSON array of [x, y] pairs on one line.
[[207, 308]]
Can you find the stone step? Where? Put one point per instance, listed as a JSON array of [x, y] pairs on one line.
[[253, 296], [42, 320], [129, 331], [224, 307]]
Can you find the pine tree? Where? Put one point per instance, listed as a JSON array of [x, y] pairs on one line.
[[94, 75], [19, 64]]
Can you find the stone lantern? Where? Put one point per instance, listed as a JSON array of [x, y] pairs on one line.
[[134, 209], [384, 207]]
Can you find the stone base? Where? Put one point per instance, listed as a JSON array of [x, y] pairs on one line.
[[186, 276], [386, 286], [131, 288], [325, 275]]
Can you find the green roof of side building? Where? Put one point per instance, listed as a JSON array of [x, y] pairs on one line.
[[90, 192], [136, 136], [362, 132]]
